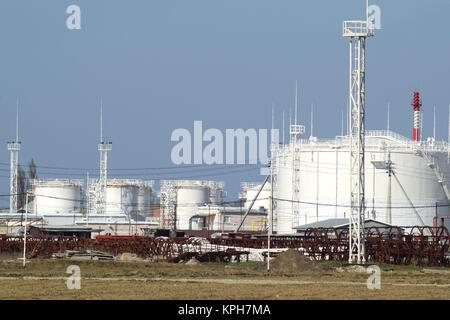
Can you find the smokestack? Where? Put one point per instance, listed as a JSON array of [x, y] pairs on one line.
[[417, 127]]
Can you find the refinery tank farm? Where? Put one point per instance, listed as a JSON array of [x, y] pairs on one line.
[[355, 181], [406, 184], [405, 178]]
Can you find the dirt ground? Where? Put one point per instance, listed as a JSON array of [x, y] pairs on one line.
[[46, 279]]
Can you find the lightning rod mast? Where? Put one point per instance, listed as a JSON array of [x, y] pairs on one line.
[[104, 148], [357, 32], [14, 148]]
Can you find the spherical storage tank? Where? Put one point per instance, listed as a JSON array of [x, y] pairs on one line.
[[190, 194], [57, 196]]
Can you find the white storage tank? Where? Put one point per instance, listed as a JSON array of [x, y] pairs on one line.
[[180, 200], [121, 197], [57, 196], [144, 202], [323, 181], [250, 190], [190, 195]]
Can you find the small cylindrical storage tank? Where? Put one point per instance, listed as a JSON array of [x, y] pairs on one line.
[[121, 197], [57, 196], [263, 199], [189, 197], [216, 192], [144, 200]]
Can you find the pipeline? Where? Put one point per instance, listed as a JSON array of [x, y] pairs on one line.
[[423, 246]]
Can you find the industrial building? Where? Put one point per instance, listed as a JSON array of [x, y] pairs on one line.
[[226, 219]]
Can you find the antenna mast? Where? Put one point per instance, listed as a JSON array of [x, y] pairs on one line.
[[357, 32], [283, 129], [104, 148], [14, 148], [295, 130], [434, 123], [388, 115]]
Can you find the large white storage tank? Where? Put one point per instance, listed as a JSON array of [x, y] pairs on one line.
[[190, 195], [250, 190], [322, 181], [57, 196], [121, 197]]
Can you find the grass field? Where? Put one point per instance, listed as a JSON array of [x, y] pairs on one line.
[[46, 279]]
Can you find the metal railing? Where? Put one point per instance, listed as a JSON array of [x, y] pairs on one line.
[[401, 142], [357, 29]]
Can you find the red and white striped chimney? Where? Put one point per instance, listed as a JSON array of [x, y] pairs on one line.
[[416, 129]]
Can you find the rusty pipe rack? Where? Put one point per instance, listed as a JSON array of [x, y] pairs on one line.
[[424, 246]]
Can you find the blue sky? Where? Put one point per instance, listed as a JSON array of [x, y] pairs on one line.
[[160, 65]]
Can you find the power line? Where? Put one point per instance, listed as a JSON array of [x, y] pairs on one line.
[[181, 166], [349, 206], [260, 199]]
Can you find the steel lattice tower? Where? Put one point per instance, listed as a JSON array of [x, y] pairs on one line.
[[104, 148], [168, 205], [295, 131], [14, 148], [357, 32]]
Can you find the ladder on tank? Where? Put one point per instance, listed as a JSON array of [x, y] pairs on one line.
[[295, 131]]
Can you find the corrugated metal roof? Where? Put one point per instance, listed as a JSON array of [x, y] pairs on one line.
[[66, 228], [339, 223]]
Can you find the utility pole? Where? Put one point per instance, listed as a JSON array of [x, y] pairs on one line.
[[25, 232], [270, 229]]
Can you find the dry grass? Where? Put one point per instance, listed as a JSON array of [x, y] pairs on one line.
[[145, 280]]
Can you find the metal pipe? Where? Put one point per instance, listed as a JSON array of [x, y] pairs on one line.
[[251, 205], [409, 200]]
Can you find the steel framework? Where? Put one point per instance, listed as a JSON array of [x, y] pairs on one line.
[[295, 131], [418, 246], [104, 148], [14, 148], [168, 196], [357, 32]]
